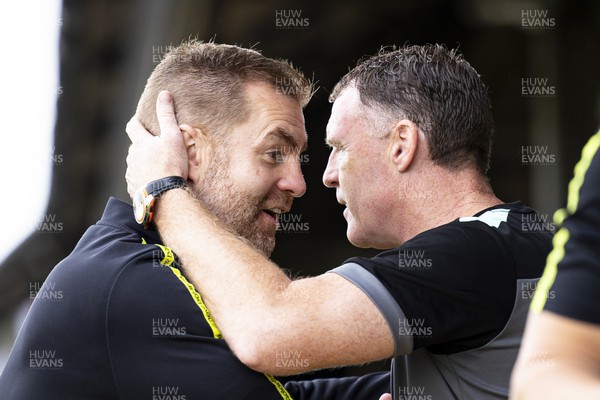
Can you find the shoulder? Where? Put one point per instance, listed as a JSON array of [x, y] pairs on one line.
[[453, 244], [491, 241]]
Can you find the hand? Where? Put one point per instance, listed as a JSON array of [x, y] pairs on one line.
[[154, 157], [386, 396]]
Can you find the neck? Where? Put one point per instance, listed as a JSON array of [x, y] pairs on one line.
[[446, 195]]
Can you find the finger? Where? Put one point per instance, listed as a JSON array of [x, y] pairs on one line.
[[169, 129], [135, 130], [386, 396], [128, 177]]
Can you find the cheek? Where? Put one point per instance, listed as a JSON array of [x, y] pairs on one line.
[[255, 181], [365, 188], [356, 173], [345, 170]]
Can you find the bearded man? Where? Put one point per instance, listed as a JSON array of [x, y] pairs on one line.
[[127, 323]]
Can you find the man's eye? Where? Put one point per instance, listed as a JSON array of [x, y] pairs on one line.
[[334, 147], [276, 156]]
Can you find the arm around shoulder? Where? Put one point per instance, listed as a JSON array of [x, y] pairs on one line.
[[320, 322], [272, 324]]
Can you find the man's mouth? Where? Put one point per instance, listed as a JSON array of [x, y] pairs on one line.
[[274, 212], [275, 206]]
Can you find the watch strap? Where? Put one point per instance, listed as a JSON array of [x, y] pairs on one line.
[[144, 199], [159, 186]]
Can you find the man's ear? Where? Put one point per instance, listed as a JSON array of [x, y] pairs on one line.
[[404, 139], [199, 149]]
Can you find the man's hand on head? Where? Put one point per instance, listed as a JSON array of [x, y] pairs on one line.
[[153, 157]]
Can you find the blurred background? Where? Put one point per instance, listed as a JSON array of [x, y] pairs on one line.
[[73, 72]]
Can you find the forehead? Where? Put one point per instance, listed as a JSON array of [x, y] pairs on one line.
[[347, 113], [273, 113]]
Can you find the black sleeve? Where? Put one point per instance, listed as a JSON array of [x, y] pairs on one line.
[[368, 387], [575, 291], [448, 287]]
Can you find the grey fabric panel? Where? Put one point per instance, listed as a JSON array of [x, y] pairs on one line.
[[486, 371], [387, 305], [482, 373], [417, 376]]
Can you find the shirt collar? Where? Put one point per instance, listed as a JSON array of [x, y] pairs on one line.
[[118, 212]]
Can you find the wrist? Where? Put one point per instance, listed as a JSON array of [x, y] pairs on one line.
[[172, 200]]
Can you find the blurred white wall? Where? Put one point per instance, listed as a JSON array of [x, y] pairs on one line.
[[29, 42]]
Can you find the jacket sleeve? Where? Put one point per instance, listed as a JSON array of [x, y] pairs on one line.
[[368, 387]]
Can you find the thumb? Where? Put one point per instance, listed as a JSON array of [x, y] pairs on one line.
[[386, 396]]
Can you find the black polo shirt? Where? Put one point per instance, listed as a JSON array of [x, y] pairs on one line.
[[116, 319], [456, 299], [456, 283]]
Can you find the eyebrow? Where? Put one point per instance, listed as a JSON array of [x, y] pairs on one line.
[[329, 142], [332, 142], [288, 138]]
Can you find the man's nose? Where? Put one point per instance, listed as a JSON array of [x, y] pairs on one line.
[[330, 176], [293, 180]]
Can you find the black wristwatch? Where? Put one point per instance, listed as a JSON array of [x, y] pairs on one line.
[[144, 198]]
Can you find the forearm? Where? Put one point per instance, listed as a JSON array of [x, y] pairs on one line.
[[271, 323], [210, 253], [559, 381], [559, 359], [233, 278]]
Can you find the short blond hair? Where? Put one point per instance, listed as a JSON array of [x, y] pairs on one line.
[[207, 83]]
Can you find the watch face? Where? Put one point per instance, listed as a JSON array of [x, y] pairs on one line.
[[144, 198], [139, 208]]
